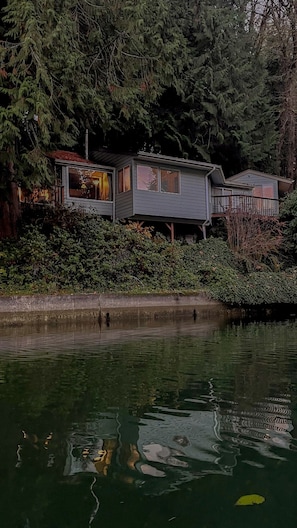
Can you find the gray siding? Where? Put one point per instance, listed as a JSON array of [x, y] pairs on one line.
[[101, 208], [124, 205], [189, 204], [253, 179]]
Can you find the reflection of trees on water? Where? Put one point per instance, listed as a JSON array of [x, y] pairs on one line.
[[153, 414]]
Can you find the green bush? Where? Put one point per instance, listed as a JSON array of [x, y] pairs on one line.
[[67, 250], [258, 289], [72, 251]]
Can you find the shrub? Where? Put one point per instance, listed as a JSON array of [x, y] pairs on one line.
[[66, 250], [63, 250]]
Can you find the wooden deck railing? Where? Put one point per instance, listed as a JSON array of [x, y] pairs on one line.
[[222, 205], [39, 196]]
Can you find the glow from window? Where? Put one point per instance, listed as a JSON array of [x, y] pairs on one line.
[[157, 179], [169, 181], [90, 184]]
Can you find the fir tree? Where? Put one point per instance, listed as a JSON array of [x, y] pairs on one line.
[[223, 111], [70, 65]]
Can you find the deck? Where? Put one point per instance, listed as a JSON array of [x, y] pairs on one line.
[[236, 203]]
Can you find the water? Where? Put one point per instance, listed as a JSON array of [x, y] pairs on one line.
[[150, 426]]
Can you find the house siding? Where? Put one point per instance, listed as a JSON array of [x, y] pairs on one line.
[[189, 204], [101, 208], [124, 205]]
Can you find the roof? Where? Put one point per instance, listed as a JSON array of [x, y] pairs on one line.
[[284, 184], [65, 155], [214, 171]]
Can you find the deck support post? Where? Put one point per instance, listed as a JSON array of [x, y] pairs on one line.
[[171, 229]]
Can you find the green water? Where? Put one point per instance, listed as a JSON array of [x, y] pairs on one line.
[[147, 427]]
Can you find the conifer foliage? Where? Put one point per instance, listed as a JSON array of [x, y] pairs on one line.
[[67, 66], [70, 65], [192, 79]]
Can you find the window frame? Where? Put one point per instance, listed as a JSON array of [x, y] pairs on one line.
[[91, 170], [159, 169], [122, 169]]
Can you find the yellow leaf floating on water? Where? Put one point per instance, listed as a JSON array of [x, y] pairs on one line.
[[249, 500]]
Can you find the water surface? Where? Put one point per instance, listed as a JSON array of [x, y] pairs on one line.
[[148, 426]]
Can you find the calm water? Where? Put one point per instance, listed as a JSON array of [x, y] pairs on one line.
[[148, 427]]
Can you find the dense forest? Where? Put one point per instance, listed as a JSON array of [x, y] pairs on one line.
[[204, 79], [212, 81]]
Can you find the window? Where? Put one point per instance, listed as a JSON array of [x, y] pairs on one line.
[[156, 179], [264, 199], [147, 178], [37, 196], [124, 180], [90, 184], [169, 181]]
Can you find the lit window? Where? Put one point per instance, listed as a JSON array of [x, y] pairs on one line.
[[147, 178], [124, 180], [90, 184]]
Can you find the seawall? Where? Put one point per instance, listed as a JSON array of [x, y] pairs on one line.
[[31, 308]]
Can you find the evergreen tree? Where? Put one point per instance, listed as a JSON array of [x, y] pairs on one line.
[[222, 112], [70, 65]]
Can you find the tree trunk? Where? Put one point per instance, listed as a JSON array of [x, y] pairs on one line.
[[9, 213]]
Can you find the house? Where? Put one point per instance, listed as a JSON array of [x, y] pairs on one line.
[[160, 190], [266, 189], [143, 187]]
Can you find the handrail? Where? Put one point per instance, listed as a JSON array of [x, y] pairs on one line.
[[235, 203]]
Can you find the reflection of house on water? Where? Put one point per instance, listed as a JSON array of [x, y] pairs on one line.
[[266, 426], [166, 447], [157, 452]]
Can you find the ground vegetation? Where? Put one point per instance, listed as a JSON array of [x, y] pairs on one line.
[[66, 251]]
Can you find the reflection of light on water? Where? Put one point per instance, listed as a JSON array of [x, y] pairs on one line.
[[97, 503], [181, 445]]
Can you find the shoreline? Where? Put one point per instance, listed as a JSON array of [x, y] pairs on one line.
[[23, 309]]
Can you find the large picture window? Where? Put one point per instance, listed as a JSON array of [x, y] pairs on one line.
[[124, 180], [90, 184], [157, 179]]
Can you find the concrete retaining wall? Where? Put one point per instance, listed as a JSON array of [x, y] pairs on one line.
[[19, 309]]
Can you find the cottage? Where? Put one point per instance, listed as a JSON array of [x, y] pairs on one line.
[[160, 190], [141, 187]]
